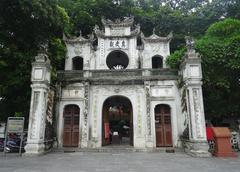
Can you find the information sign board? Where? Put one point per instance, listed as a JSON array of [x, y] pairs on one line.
[[15, 125]]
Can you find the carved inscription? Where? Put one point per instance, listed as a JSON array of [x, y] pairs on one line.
[[123, 44], [102, 52], [86, 107], [197, 110], [148, 101], [42, 125], [34, 110], [139, 115], [94, 134]]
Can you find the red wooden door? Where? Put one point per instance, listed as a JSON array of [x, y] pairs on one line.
[[163, 126], [71, 126]]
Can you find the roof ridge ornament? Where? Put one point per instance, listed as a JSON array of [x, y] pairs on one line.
[[76, 39], [126, 21], [155, 38], [190, 43], [154, 31], [42, 53]]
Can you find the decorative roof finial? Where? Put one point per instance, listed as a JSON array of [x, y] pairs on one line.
[[154, 31], [96, 28], [190, 43], [43, 47], [42, 53]]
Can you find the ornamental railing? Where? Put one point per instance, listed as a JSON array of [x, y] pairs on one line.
[[127, 74]]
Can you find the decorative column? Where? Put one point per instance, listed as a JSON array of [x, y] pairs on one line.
[[40, 85], [84, 141], [192, 78], [149, 139]]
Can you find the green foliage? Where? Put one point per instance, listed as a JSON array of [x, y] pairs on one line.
[[174, 60], [24, 25], [18, 114], [224, 31], [220, 49], [220, 52]]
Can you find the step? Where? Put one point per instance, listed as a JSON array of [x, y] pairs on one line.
[[119, 150]]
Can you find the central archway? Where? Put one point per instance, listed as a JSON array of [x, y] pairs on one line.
[[117, 121]]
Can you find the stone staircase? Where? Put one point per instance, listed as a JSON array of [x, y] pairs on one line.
[[119, 149]]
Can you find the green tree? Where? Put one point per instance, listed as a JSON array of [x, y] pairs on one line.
[[24, 25], [220, 52]]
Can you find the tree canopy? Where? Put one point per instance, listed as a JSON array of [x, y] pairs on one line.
[[24, 25], [220, 52]]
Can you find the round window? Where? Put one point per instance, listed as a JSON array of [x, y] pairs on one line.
[[117, 60]]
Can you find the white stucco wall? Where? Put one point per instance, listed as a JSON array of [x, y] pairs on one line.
[[152, 49], [82, 50]]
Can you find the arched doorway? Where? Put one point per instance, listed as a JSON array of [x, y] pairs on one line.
[[163, 125], [71, 126], [77, 63], [117, 60], [157, 62], [117, 121]]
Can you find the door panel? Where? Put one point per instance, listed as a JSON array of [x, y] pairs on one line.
[[71, 126], [163, 126]]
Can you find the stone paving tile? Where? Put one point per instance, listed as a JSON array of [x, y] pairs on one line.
[[117, 162]]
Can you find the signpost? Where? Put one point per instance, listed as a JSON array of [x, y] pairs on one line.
[[15, 125]]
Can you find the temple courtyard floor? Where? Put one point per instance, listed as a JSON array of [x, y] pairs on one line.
[[117, 162]]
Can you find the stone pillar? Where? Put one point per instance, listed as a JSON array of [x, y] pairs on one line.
[[40, 85], [192, 78], [84, 142], [149, 136]]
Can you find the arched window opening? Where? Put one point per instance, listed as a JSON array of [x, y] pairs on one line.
[[117, 60], [77, 63], [139, 41], [157, 62]]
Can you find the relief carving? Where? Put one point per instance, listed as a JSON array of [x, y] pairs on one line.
[[197, 110], [42, 126], [34, 109], [139, 123], [148, 101], [78, 49], [95, 116], [86, 108]]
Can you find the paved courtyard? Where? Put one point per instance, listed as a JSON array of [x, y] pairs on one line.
[[119, 162]]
